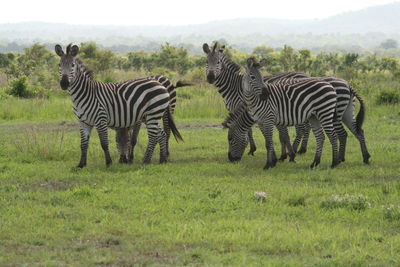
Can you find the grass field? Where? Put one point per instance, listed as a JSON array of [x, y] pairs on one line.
[[198, 209]]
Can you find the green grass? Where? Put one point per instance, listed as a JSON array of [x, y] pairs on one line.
[[198, 209]]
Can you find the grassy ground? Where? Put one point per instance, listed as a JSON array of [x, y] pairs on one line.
[[198, 209]]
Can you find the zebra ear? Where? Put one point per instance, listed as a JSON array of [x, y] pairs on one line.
[[206, 48], [74, 50], [221, 49], [250, 62], [215, 46], [59, 50]]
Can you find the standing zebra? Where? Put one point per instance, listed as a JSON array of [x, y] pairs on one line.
[[284, 105], [226, 76], [124, 136], [116, 105], [344, 114]]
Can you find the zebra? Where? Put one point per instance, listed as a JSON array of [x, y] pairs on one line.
[[311, 100], [226, 76], [125, 136], [116, 105], [344, 114], [283, 132]]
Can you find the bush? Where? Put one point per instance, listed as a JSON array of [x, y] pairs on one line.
[[19, 87], [388, 97]]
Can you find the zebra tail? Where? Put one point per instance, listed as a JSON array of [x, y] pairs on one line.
[[361, 114], [182, 84], [172, 126]]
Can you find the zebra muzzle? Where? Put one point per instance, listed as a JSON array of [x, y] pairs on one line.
[[232, 158], [64, 83]]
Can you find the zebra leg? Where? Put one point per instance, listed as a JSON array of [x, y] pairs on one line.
[[85, 131], [102, 130], [153, 131], [167, 131], [330, 132], [133, 140], [253, 147], [299, 136], [306, 135], [267, 130], [342, 135], [319, 138], [282, 133], [162, 140], [349, 121], [122, 140]]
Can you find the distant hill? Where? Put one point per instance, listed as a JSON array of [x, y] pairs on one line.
[[363, 28]]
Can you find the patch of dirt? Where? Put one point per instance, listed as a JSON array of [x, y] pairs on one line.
[[74, 126]]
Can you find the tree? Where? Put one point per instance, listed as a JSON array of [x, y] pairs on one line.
[[389, 43], [287, 58]]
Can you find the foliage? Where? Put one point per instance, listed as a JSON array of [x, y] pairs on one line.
[[388, 97]]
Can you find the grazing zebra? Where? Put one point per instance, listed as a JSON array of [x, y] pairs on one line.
[[226, 76], [248, 122], [285, 104], [124, 136], [116, 105]]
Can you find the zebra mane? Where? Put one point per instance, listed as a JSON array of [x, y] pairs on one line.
[[232, 116], [85, 70], [230, 64], [68, 48]]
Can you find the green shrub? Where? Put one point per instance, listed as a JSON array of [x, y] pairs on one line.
[[296, 200], [391, 213], [346, 201], [388, 97], [19, 87]]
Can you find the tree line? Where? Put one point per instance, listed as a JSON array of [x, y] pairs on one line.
[[40, 65]]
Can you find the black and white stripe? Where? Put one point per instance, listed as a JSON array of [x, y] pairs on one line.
[[123, 136], [307, 100], [226, 76], [115, 105]]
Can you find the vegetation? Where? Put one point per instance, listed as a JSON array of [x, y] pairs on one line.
[[198, 209]]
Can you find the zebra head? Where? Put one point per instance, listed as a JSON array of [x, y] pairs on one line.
[[238, 140], [213, 62], [67, 64], [253, 79]]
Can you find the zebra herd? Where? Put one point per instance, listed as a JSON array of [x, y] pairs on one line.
[[322, 104]]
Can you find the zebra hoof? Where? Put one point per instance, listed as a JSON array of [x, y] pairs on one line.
[[123, 160], [269, 165], [283, 158], [314, 164], [366, 159], [302, 150]]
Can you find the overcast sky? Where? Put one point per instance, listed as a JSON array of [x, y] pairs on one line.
[[171, 12]]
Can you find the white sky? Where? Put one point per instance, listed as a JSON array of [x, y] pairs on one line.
[[171, 12]]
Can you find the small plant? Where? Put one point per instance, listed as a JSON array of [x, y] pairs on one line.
[[346, 201], [388, 97], [260, 196], [296, 201], [391, 212]]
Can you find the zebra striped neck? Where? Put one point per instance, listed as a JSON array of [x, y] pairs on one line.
[[83, 83], [229, 83]]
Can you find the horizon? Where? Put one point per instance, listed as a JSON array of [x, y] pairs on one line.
[[279, 11]]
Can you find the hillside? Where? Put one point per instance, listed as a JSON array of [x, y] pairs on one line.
[[364, 28]]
